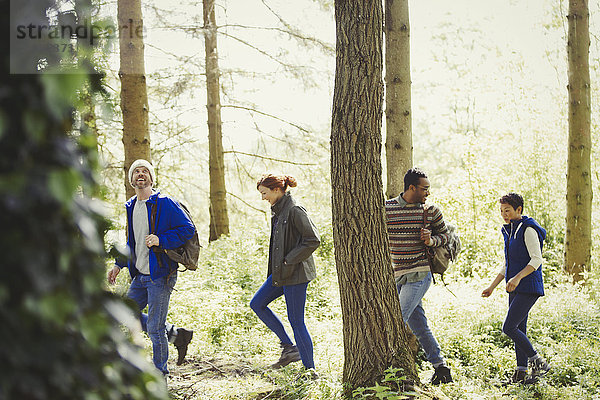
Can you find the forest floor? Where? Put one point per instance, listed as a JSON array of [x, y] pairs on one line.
[[195, 378], [231, 351]]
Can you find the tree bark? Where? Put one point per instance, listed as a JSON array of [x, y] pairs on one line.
[[578, 241], [219, 219], [134, 97], [374, 336], [83, 9], [398, 146]]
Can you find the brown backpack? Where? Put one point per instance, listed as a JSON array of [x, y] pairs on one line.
[[187, 254]]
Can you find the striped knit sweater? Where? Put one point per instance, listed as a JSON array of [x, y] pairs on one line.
[[404, 222]]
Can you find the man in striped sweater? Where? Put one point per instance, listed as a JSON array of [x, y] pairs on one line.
[[408, 239]]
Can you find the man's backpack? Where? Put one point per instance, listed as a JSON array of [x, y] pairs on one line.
[[440, 257], [186, 255]]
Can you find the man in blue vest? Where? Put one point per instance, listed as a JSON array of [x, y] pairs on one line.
[[154, 274]]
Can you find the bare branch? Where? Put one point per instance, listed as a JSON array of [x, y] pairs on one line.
[[288, 67], [326, 47], [266, 115], [193, 29], [283, 22], [246, 203], [266, 158], [177, 57], [296, 33]]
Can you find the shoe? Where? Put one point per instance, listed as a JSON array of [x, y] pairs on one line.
[[182, 340], [441, 375], [307, 375], [531, 380], [518, 377], [311, 374], [289, 354], [539, 367]]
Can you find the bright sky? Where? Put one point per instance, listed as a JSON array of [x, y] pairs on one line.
[[480, 51]]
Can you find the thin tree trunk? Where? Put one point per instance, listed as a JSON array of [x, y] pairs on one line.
[[134, 98], [398, 145], [219, 219], [578, 241], [88, 114], [83, 8], [374, 335]]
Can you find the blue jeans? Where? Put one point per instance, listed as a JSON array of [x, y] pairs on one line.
[[155, 294], [295, 300], [515, 324], [411, 295]]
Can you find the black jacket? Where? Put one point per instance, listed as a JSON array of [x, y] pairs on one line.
[[293, 240]]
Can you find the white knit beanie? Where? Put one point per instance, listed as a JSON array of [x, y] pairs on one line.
[[141, 163]]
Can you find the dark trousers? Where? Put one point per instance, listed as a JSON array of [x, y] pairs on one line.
[[515, 324]]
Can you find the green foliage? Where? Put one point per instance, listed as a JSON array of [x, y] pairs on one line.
[[393, 379], [214, 302], [476, 139], [61, 331], [563, 327]]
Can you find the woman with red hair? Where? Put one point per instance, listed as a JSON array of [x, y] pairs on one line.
[[294, 237]]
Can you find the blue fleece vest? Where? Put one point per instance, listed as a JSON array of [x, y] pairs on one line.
[[517, 257]]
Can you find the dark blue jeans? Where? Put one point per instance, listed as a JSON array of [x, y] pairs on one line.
[[515, 324], [295, 299]]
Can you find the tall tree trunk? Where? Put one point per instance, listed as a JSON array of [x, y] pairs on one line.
[[398, 144], [578, 242], [86, 52], [374, 335], [134, 98], [219, 219]]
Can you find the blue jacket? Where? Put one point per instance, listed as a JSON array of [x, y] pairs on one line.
[[173, 228], [517, 257]]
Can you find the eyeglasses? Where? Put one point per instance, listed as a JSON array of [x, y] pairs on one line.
[[425, 189]]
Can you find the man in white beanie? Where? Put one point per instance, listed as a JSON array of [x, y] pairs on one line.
[[154, 274]]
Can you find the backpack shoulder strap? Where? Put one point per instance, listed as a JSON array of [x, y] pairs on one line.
[[153, 217], [153, 212], [427, 250]]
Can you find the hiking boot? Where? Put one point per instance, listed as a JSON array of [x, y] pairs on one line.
[[182, 340], [311, 374], [531, 380], [307, 375], [518, 377], [289, 354], [539, 367], [441, 375]]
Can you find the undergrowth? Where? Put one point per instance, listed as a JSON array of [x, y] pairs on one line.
[[230, 354]]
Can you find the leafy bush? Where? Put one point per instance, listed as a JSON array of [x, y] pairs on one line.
[[61, 331], [214, 301]]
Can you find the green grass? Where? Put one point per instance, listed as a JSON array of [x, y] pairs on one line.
[[232, 349]]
